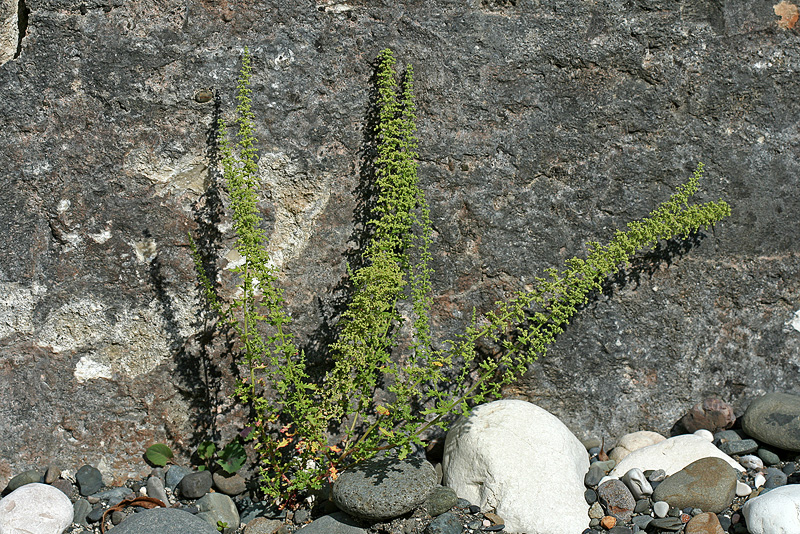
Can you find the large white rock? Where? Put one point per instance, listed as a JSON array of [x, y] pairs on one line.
[[672, 455], [634, 441], [517, 459], [775, 512], [38, 508]]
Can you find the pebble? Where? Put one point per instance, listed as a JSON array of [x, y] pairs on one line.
[[774, 419], [751, 462], [608, 522], [637, 483], [590, 495], [81, 509], [660, 509], [262, 525], [739, 447], [594, 475], [51, 474], [742, 489], [446, 523], [232, 485], [708, 483], [769, 457], [616, 498], [384, 488], [711, 414], [26, 477], [218, 507], [440, 500], [777, 511], [705, 523], [164, 521], [155, 489], [89, 480], [195, 485], [673, 524], [174, 475]]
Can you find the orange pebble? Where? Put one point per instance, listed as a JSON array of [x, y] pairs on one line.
[[608, 522]]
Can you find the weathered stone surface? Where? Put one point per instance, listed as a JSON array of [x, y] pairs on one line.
[[708, 484], [36, 508], [544, 124], [711, 414], [380, 489], [775, 420]]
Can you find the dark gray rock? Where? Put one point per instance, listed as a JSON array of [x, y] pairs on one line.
[[26, 477], [595, 473], [708, 484], [568, 120], [739, 447], [89, 480], [384, 488], [81, 509], [672, 524], [195, 485], [446, 523], [775, 420], [164, 521], [337, 523], [174, 475]]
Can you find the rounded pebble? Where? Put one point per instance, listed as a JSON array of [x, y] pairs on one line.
[[660, 509]]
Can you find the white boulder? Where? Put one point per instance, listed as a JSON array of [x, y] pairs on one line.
[[519, 460], [634, 441], [38, 508], [774, 512], [672, 455]]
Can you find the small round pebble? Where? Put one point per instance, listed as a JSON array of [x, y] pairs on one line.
[[769, 457], [590, 495], [89, 479], [660, 509]]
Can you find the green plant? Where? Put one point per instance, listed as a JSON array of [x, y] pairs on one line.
[[291, 413], [158, 454], [221, 525], [230, 458]]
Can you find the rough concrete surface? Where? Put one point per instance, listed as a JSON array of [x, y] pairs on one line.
[[543, 124]]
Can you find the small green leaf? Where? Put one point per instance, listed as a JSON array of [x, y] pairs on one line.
[[232, 457], [158, 454], [206, 450]]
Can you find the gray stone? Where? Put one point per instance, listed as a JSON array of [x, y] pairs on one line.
[[81, 509], [195, 485], [446, 523], [51, 474], [164, 521], [336, 523], [617, 499], [234, 484], [174, 475], [642, 521], [775, 478], [35, 508], [89, 480], [769, 457], [708, 484], [218, 507], [774, 419], [382, 489], [725, 436], [155, 489], [673, 524], [594, 474], [440, 500], [262, 525], [739, 447], [26, 477]]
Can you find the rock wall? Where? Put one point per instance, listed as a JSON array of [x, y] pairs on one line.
[[543, 124]]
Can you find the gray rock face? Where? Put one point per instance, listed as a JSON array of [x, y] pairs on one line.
[[708, 484], [336, 523], [543, 125], [775, 420], [385, 488], [164, 521]]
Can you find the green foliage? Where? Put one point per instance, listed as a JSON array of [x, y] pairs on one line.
[[291, 413], [158, 455], [230, 459]]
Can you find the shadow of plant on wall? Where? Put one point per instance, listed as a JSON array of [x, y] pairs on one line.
[[306, 430]]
